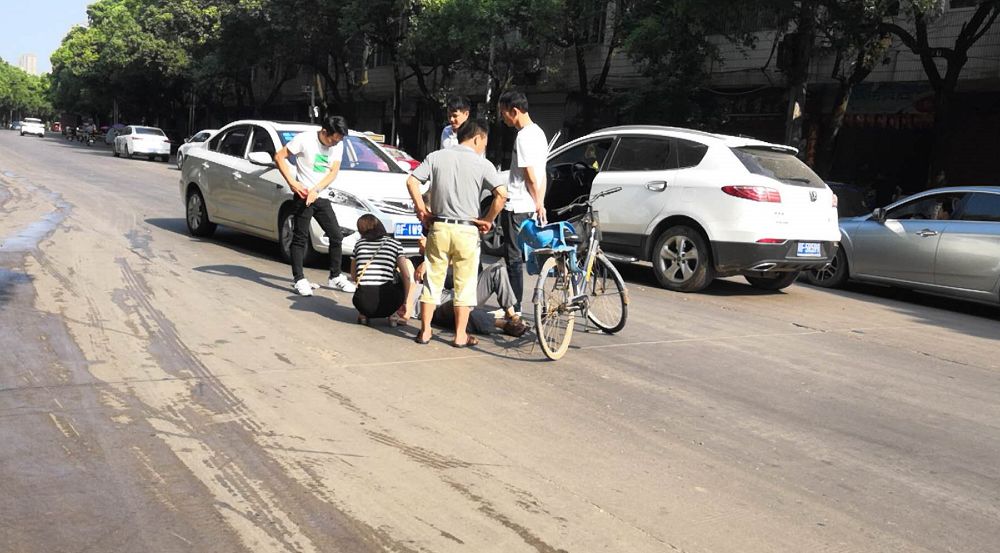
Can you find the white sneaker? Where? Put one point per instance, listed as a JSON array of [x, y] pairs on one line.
[[304, 287], [342, 283]]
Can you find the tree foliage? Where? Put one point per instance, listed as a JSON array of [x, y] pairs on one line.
[[24, 94]]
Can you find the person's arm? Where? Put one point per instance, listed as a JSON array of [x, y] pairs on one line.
[[354, 269], [315, 191], [499, 200], [536, 187], [531, 154], [285, 168], [419, 176]]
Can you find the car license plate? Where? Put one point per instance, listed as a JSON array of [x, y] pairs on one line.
[[809, 249], [408, 230]]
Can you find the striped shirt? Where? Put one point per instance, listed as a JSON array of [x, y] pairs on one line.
[[383, 254]]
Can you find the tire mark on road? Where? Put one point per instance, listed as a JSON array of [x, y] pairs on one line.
[[237, 449]]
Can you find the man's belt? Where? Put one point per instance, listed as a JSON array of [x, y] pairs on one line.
[[454, 221]]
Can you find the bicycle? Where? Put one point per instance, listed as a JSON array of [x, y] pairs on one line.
[[575, 278]]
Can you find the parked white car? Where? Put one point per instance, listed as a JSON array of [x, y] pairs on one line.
[[134, 140], [234, 181], [700, 205], [197, 140], [32, 125]]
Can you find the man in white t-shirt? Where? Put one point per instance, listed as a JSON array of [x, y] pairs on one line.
[[526, 186], [458, 113], [317, 163]]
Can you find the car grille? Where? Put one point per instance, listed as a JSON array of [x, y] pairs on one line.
[[394, 206]]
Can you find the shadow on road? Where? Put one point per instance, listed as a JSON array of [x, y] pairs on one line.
[[243, 243], [932, 310], [635, 273]]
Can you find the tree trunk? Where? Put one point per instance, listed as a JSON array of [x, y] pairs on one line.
[[828, 140], [397, 101], [798, 74]]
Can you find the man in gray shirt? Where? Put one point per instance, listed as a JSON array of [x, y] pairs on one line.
[[458, 176]]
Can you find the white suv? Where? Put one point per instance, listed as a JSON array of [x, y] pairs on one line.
[[233, 181], [32, 125], [700, 205]]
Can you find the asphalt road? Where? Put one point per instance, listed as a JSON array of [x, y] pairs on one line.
[[165, 393]]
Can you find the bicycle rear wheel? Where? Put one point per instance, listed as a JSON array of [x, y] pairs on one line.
[[553, 318], [607, 297]]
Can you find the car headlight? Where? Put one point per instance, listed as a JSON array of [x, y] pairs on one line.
[[348, 200]]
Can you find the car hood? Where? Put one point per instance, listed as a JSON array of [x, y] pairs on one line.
[[370, 185]]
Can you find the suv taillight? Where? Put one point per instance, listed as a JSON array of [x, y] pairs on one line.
[[755, 193]]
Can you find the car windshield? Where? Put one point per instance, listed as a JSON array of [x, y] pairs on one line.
[[286, 135], [360, 154], [782, 166], [148, 130]]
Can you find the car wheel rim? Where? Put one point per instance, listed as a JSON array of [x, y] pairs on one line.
[[286, 234], [180, 160], [828, 272], [679, 259], [194, 211]]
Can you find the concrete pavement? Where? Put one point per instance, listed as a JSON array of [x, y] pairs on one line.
[[165, 393]]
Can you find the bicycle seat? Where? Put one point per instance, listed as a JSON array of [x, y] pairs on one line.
[[550, 239]]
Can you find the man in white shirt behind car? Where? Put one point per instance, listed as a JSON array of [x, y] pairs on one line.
[[526, 186], [458, 113], [317, 163]]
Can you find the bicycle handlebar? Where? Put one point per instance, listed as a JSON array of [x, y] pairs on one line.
[[589, 201]]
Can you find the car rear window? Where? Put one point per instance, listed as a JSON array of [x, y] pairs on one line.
[[781, 166], [146, 130]]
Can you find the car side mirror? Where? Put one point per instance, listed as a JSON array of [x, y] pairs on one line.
[[879, 214], [186, 140], [261, 158]]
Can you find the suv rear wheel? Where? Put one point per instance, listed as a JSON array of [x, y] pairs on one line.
[[682, 261]]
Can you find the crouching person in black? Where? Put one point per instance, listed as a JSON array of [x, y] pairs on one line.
[[382, 291]]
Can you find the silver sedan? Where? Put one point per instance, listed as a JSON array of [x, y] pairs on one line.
[[944, 241]]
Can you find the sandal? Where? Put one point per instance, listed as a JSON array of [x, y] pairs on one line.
[[419, 341], [470, 341], [395, 320], [362, 320]]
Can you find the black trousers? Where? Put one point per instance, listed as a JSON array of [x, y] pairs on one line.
[[510, 222], [377, 301], [322, 210]]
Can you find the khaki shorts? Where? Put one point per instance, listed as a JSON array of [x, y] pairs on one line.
[[458, 246]]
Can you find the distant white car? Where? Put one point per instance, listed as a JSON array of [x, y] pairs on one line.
[[32, 125], [198, 140], [146, 141]]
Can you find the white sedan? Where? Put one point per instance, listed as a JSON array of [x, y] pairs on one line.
[[197, 140], [233, 181], [145, 141]]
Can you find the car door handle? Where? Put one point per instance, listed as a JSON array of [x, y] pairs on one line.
[[237, 175], [205, 165], [657, 185], [926, 232]]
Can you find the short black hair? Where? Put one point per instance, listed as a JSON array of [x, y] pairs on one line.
[[514, 99], [334, 124], [472, 128], [370, 228], [458, 103]]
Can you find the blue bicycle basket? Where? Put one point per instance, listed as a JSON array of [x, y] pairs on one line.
[[552, 237]]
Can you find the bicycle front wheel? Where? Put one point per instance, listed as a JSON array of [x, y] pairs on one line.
[[607, 297], [553, 318]]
